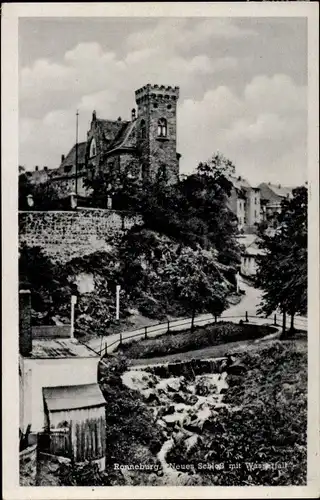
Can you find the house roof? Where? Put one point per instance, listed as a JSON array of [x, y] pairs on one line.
[[73, 397], [239, 182], [118, 134], [276, 189], [70, 160], [111, 128], [59, 348]]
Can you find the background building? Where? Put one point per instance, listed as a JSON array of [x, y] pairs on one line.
[[271, 198], [245, 204]]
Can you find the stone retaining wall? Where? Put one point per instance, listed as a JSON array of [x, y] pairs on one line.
[[64, 235], [185, 368]]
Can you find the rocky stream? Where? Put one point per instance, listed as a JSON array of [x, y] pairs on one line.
[[182, 404]]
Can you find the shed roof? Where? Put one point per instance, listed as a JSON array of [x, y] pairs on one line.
[[73, 397], [60, 348]]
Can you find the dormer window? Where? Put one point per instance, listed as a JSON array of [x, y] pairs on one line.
[[143, 129], [93, 148], [162, 127]]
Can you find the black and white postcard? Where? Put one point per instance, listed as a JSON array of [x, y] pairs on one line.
[[161, 245]]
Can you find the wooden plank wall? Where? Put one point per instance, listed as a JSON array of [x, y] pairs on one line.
[[89, 439]]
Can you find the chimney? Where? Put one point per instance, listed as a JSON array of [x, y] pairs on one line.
[[25, 330], [94, 116], [133, 114], [45, 169], [62, 158], [36, 168]]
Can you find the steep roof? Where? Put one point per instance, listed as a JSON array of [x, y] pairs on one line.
[[276, 189], [70, 161], [118, 134], [126, 137], [111, 128], [239, 182]]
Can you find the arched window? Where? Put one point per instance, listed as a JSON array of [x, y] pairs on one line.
[[143, 129], [93, 148], [162, 127]]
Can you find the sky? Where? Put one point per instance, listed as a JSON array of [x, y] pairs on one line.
[[243, 86]]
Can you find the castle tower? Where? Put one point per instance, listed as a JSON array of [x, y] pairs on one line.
[[157, 131]]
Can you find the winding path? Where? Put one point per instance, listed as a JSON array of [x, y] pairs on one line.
[[249, 303]]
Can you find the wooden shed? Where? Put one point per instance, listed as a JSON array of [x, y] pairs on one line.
[[75, 422]]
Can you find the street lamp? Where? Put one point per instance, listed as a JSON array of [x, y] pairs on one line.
[[74, 299], [118, 288]]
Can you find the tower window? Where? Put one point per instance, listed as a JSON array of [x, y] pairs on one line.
[[169, 106], [162, 127], [143, 129], [93, 148]]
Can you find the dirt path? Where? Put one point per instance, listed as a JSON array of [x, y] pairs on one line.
[[248, 304]]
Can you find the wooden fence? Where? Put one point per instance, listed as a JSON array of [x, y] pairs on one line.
[[80, 442], [185, 324], [89, 440], [57, 442]]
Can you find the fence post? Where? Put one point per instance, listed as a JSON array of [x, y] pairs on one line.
[[275, 320], [145, 332], [106, 348], [247, 320], [168, 327], [120, 338], [215, 318]]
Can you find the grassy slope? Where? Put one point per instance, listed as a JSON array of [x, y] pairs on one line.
[[180, 342]]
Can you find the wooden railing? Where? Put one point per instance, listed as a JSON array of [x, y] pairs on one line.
[[186, 323]]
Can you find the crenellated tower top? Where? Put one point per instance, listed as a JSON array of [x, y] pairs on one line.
[[156, 93]]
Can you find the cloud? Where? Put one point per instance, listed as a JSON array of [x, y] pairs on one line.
[[255, 129], [258, 124], [176, 33]]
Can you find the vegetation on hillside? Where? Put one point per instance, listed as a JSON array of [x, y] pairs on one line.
[[181, 261], [261, 439], [132, 435]]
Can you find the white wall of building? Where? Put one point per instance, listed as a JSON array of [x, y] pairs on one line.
[[241, 212], [248, 265], [39, 373], [253, 207]]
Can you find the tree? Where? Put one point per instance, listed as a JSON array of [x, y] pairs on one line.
[[282, 271], [125, 188], [197, 280], [45, 195], [43, 277]]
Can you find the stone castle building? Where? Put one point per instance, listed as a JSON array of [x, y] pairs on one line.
[[146, 145]]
